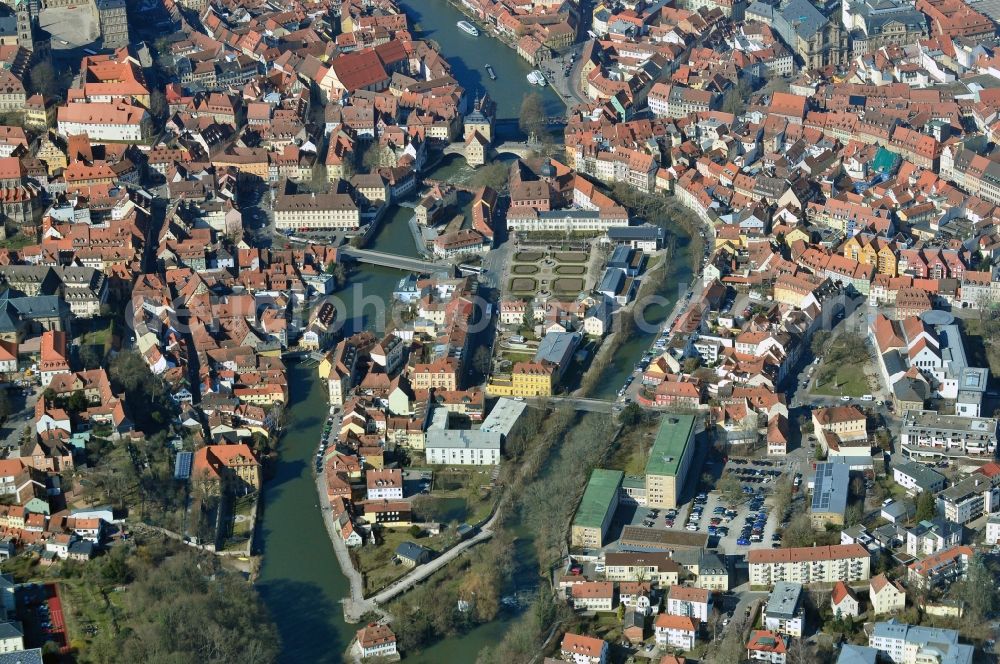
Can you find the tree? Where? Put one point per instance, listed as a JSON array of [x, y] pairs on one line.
[[481, 360], [158, 106], [631, 415], [731, 649], [926, 506], [853, 515], [730, 488], [735, 98], [532, 119], [90, 357], [77, 402], [782, 495], [43, 78], [494, 175], [799, 532], [129, 373], [980, 590], [376, 155], [819, 341], [338, 272]]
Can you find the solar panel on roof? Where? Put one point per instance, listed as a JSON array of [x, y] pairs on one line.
[[182, 465]]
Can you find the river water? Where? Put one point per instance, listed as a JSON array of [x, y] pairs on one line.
[[653, 315], [299, 579]]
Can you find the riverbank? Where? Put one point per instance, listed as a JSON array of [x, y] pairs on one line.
[[491, 31], [354, 603]]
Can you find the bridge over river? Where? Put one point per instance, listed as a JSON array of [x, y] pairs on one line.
[[520, 148], [391, 260]]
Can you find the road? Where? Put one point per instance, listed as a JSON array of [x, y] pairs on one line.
[[17, 421], [579, 403], [355, 605]]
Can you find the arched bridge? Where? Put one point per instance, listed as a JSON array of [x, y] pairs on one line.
[[391, 260], [521, 149]]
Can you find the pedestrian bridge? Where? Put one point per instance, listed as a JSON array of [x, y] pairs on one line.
[[391, 260]]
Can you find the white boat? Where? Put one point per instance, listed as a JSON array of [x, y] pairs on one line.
[[535, 78], [465, 26]]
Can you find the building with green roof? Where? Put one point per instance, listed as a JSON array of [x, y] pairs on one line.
[[597, 508], [669, 460]]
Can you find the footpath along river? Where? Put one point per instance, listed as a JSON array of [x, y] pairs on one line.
[[300, 580]]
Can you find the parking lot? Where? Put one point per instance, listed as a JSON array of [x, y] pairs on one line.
[[40, 610], [732, 526]]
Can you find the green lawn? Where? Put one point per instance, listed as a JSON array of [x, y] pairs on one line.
[[848, 381], [98, 334], [515, 356], [375, 562], [18, 241], [87, 611]]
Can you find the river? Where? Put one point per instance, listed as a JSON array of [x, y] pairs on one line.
[[678, 279], [435, 20], [299, 578]]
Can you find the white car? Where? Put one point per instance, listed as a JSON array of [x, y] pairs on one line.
[[598, 567], [845, 398]]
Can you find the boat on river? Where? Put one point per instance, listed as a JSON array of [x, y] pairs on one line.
[[468, 28], [493, 74], [536, 77]]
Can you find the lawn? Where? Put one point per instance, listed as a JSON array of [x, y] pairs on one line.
[[567, 285], [17, 241], [523, 285], [571, 256], [848, 381], [243, 517], [375, 562], [98, 334], [525, 269], [515, 356], [86, 610], [631, 449], [571, 270], [528, 256]]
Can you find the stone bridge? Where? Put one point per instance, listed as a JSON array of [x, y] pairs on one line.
[[521, 149]]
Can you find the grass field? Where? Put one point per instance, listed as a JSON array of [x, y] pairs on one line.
[[525, 269], [567, 285], [571, 256], [523, 285], [528, 256], [375, 562], [848, 381], [86, 610], [571, 270], [98, 334]]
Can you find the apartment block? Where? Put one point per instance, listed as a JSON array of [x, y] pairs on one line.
[[669, 460], [928, 435], [910, 644], [597, 508], [811, 564], [970, 498], [784, 612]]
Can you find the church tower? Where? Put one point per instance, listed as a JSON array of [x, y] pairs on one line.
[[25, 25]]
